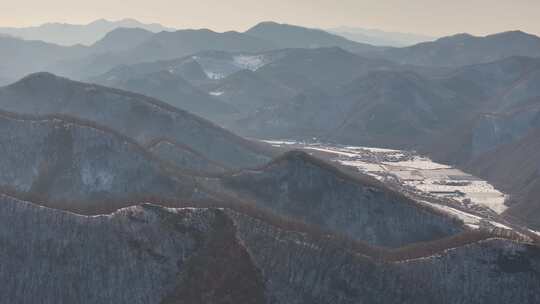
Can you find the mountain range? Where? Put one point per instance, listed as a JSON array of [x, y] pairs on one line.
[[465, 49], [71, 34], [203, 255], [146, 167], [380, 37], [141, 118], [291, 36], [131, 46], [466, 85], [446, 108]]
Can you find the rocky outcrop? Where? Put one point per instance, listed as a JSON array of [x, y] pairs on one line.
[[302, 187], [150, 254]]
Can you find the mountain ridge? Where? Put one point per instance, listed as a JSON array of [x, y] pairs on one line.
[[287, 35], [466, 49], [72, 34], [143, 238], [65, 96]]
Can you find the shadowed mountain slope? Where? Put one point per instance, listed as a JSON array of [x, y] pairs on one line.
[[292, 36], [383, 108], [247, 81], [380, 37], [121, 39], [505, 108], [20, 57], [465, 49], [515, 168], [74, 165], [164, 46], [222, 256], [299, 186], [176, 91], [248, 91], [139, 117], [184, 157], [322, 68], [168, 45]]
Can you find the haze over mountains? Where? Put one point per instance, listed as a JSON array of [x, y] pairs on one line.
[[71, 34], [140, 168], [125, 46], [379, 37], [465, 49], [331, 93], [139, 117]]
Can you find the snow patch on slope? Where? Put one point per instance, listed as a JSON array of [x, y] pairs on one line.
[[96, 180], [214, 75], [250, 62], [217, 67]]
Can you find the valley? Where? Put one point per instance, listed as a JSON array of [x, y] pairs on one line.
[[269, 163], [469, 198]]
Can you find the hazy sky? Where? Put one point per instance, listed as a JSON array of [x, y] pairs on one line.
[[434, 17]]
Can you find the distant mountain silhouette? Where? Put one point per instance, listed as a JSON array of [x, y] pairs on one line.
[[71, 34], [75, 165], [164, 46], [121, 39], [136, 116], [379, 37], [169, 45], [465, 49], [292, 36], [21, 57]]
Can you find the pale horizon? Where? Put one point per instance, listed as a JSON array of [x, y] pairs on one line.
[[424, 17]]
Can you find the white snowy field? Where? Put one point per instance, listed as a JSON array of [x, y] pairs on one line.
[[413, 171], [250, 62], [219, 68]]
